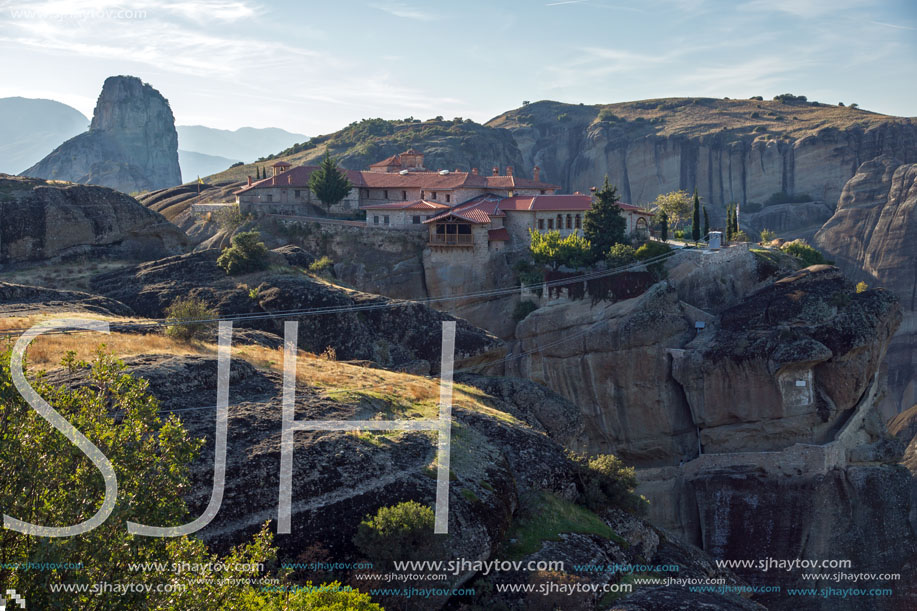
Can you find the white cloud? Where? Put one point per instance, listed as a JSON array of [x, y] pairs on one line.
[[405, 11]]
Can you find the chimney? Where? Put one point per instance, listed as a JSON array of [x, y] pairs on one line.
[[249, 181], [496, 171], [536, 173], [474, 171], [509, 170]]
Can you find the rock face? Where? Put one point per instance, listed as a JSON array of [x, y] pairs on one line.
[[131, 144], [731, 150], [42, 220], [872, 236], [368, 327], [788, 364]]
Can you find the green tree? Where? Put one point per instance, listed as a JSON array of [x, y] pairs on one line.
[[695, 219], [706, 224], [329, 183], [676, 205], [620, 255], [729, 223], [603, 224], [186, 318], [551, 249], [663, 226], [245, 254]]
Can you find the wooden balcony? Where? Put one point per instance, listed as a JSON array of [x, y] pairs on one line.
[[451, 239]]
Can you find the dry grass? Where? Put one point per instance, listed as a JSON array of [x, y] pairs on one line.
[[408, 395]]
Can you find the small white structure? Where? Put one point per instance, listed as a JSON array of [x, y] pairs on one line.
[[715, 241]]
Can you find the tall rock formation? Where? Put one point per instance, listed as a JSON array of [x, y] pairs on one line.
[[872, 236], [131, 144]]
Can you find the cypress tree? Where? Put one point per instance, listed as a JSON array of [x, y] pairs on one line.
[[329, 184], [664, 226], [695, 220], [706, 225], [603, 224], [729, 223]]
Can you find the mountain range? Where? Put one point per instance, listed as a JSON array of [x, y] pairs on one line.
[[30, 128]]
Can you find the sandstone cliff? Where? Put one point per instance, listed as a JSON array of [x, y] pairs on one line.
[[872, 236], [44, 220], [131, 144]]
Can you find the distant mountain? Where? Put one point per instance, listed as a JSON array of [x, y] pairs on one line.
[[31, 128], [198, 164], [246, 143]]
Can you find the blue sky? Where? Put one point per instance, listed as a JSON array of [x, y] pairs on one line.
[[313, 67]]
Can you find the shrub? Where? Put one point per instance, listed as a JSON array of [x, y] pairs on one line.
[[740, 236], [803, 251], [246, 254], [523, 309], [760, 128], [550, 249], [563, 117], [228, 218], [651, 250], [184, 316], [756, 97], [254, 293], [862, 287], [237, 164], [322, 267], [767, 235], [607, 116], [605, 481], [620, 255], [402, 531]]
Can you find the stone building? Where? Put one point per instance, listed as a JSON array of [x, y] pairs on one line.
[[400, 178]]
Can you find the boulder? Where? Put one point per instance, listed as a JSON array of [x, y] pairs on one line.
[[45, 220]]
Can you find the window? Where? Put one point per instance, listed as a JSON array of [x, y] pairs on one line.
[[434, 195], [578, 224], [296, 194], [385, 219], [542, 191], [404, 195], [448, 198], [375, 220], [416, 219], [550, 223], [569, 222], [560, 221], [270, 197], [366, 193], [540, 223], [422, 194], [385, 194]]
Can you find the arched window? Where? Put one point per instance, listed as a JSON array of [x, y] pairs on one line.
[[569, 222], [560, 221], [578, 223], [550, 223]]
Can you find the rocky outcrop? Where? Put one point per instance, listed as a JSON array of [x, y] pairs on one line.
[[44, 220], [872, 236], [131, 144], [22, 300], [361, 326], [731, 150], [788, 364]]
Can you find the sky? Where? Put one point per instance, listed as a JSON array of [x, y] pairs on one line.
[[314, 67]]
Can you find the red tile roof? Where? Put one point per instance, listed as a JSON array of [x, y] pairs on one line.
[[298, 177], [498, 235], [420, 204], [394, 160]]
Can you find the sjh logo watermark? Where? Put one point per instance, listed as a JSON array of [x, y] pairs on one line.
[[442, 425], [11, 598]]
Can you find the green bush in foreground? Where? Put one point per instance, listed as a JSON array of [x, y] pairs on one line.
[[246, 254], [185, 316], [398, 532]]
